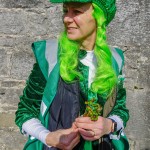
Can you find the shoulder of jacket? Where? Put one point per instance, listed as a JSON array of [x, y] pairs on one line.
[[51, 41], [45, 52], [39, 42], [118, 56]]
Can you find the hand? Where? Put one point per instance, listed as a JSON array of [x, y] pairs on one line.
[[65, 139], [93, 130]]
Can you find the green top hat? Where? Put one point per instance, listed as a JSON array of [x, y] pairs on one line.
[[108, 6]]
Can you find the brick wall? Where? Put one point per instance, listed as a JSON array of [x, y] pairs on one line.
[[24, 21]]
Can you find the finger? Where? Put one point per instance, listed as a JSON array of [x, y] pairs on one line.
[[60, 146], [73, 143], [70, 130], [67, 138], [88, 133], [89, 138], [88, 126], [74, 127], [71, 136], [84, 120]]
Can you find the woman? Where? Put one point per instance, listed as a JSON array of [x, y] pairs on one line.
[[74, 97]]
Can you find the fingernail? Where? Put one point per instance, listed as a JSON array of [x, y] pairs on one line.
[[76, 119]]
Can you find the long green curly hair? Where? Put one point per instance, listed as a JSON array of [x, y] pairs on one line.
[[105, 77]]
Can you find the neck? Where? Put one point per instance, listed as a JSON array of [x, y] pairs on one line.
[[89, 42]]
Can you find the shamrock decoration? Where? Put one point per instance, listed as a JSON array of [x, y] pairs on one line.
[[93, 110]]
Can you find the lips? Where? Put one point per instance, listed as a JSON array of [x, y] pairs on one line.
[[69, 29]]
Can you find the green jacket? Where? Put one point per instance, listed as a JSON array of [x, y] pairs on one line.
[[42, 86]]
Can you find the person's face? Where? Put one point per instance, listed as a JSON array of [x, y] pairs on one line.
[[78, 20]]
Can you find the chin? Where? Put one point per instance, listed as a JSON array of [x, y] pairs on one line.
[[73, 37]]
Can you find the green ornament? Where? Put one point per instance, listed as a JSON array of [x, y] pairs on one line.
[[93, 109]]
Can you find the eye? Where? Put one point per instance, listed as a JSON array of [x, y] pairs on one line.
[[65, 10], [77, 12]]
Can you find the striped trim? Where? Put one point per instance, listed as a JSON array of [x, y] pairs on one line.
[[116, 136], [32, 137], [43, 108], [117, 58], [51, 54]]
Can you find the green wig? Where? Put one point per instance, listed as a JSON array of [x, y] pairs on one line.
[[68, 57], [105, 77]]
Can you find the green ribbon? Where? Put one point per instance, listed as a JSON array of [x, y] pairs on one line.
[[84, 88], [82, 54], [88, 145]]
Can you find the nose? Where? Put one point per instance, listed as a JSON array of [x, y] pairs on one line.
[[68, 17]]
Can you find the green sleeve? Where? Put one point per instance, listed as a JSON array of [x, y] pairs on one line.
[[120, 108], [30, 101]]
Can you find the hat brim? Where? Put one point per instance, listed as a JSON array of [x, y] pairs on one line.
[[67, 1]]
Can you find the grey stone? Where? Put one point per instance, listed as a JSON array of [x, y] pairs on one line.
[[16, 42], [139, 123], [54, 16], [19, 3], [7, 41], [8, 120], [11, 140], [37, 23], [21, 66], [12, 83], [9, 97], [3, 62], [12, 22]]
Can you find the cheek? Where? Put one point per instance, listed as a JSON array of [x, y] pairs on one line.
[[91, 20], [78, 21], [85, 20]]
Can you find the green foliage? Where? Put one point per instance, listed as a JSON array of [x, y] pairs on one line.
[[93, 109]]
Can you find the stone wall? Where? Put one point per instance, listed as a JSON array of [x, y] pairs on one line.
[[24, 21]]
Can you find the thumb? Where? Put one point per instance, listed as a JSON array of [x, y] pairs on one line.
[[74, 126], [68, 136]]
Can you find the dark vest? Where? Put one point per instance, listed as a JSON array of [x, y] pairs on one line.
[[64, 108]]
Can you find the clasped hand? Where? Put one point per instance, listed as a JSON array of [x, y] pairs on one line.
[[93, 130], [67, 139]]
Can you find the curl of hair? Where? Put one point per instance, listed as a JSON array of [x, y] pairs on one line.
[[68, 57], [105, 78]]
